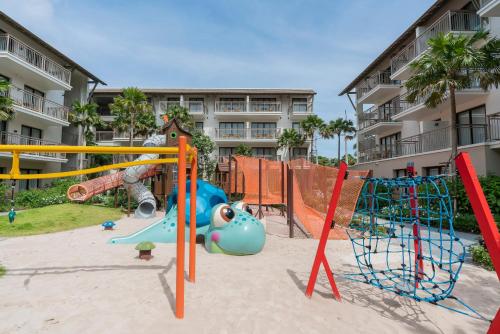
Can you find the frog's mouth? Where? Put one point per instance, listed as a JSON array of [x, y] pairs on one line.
[[217, 249]]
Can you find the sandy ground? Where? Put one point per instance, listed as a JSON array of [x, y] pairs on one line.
[[73, 282]]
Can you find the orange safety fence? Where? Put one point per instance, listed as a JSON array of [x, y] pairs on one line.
[[312, 190], [83, 191]]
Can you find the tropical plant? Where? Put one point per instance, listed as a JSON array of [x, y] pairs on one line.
[[310, 126], [349, 131], [129, 109], [453, 63], [244, 150], [6, 111], [85, 117], [205, 146], [181, 114], [289, 139]]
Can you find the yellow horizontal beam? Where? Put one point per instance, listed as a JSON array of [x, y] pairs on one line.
[[89, 149], [18, 176]]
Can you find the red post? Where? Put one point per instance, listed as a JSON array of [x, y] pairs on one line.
[[192, 216], [260, 214], [320, 253], [417, 243], [484, 218], [181, 228], [229, 179]]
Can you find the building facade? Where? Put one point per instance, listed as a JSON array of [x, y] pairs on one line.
[[255, 117], [393, 132], [43, 85]]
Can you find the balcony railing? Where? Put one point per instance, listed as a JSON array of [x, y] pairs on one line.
[[375, 115], [196, 107], [301, 108], [8, 138], [378, 78], [452, 21], [34, 58], [231, 106], [34, 102], [265, 107], [111, 135], [434, 140], [248, 133]]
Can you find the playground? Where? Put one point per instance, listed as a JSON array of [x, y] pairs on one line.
[[97, 288], [369, 253]]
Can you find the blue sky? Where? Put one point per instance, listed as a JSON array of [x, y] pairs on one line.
[[320, 44]]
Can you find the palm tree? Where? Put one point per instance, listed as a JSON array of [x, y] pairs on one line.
[[453, 63], [347, 138], [6, 111], [128, 108], [349, 130], [335, 128], [289, 139], [310, 125], [181, 114]]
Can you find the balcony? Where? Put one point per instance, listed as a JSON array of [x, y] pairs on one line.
[[239, 109], [196, 108], [377, 88], [248, 134], [420, 112], [458, 22], [8, 138], [489, 8], [375, 120], [19, 59], [115, 136], [432, 141], [300, 110], [37, 106]]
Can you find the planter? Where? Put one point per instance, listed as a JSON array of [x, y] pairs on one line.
[[145, 255]]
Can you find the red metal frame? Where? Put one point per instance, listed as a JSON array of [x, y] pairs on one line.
[[320, 253], [484, 218], [417, 243]]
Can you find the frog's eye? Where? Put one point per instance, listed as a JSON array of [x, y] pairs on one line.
[[243, 207], [223, 215]]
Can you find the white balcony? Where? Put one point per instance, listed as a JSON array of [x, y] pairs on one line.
[[252, 110], [19, 59], [300, 110], [373, 121], [458, 22], [377, 88], [47, 111], [418, 111], [8, 138], [196, 109], [254, 135], [113, 137], [489, 8]]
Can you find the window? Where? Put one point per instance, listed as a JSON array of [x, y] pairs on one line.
[[299, 152], [472, 126], [299, 104], [400, 172], [231, 129], [170, 102], [296, 126], [264, 152], [264, 104], [199, 126], [30, 136], [232, 104], [386, 110], [195, 105], [388, 147], [32, 98], [434, 170], [103, 103], [226, 151], [265, 130], [29, 184]]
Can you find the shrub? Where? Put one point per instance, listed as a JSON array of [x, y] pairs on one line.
[[481, 257], [54, 194]]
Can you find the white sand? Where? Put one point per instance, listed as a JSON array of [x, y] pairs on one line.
[[73, 282]]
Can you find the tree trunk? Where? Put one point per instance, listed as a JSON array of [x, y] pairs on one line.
[[454, 132], [338, 151]]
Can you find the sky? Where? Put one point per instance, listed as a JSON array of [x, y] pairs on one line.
[[322, 44]]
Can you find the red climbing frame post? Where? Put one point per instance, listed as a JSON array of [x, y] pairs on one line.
[[320, 253], [417, 243], [484, 218]]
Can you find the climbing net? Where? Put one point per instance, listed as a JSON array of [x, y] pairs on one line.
[[403, 238]]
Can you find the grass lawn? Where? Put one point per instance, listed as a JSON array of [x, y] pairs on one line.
[[56, 218]]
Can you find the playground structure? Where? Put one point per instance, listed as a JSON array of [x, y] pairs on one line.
[[299, 185], [173, 155], [161, 176], [398, 251]]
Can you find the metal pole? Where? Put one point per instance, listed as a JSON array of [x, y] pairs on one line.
[[229, 180], [192, 217], [181, 228], [235, 176], [290, 202], [282, 187]]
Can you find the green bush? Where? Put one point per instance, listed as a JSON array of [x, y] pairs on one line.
[[37, 198], [481, 257], [491, 189]]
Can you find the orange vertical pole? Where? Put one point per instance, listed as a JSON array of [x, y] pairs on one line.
[[181, 228], [192, 216]]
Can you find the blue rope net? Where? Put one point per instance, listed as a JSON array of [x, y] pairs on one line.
[[403, 238]]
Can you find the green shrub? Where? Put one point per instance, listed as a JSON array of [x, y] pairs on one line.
[[37, 198], [481, 257]]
